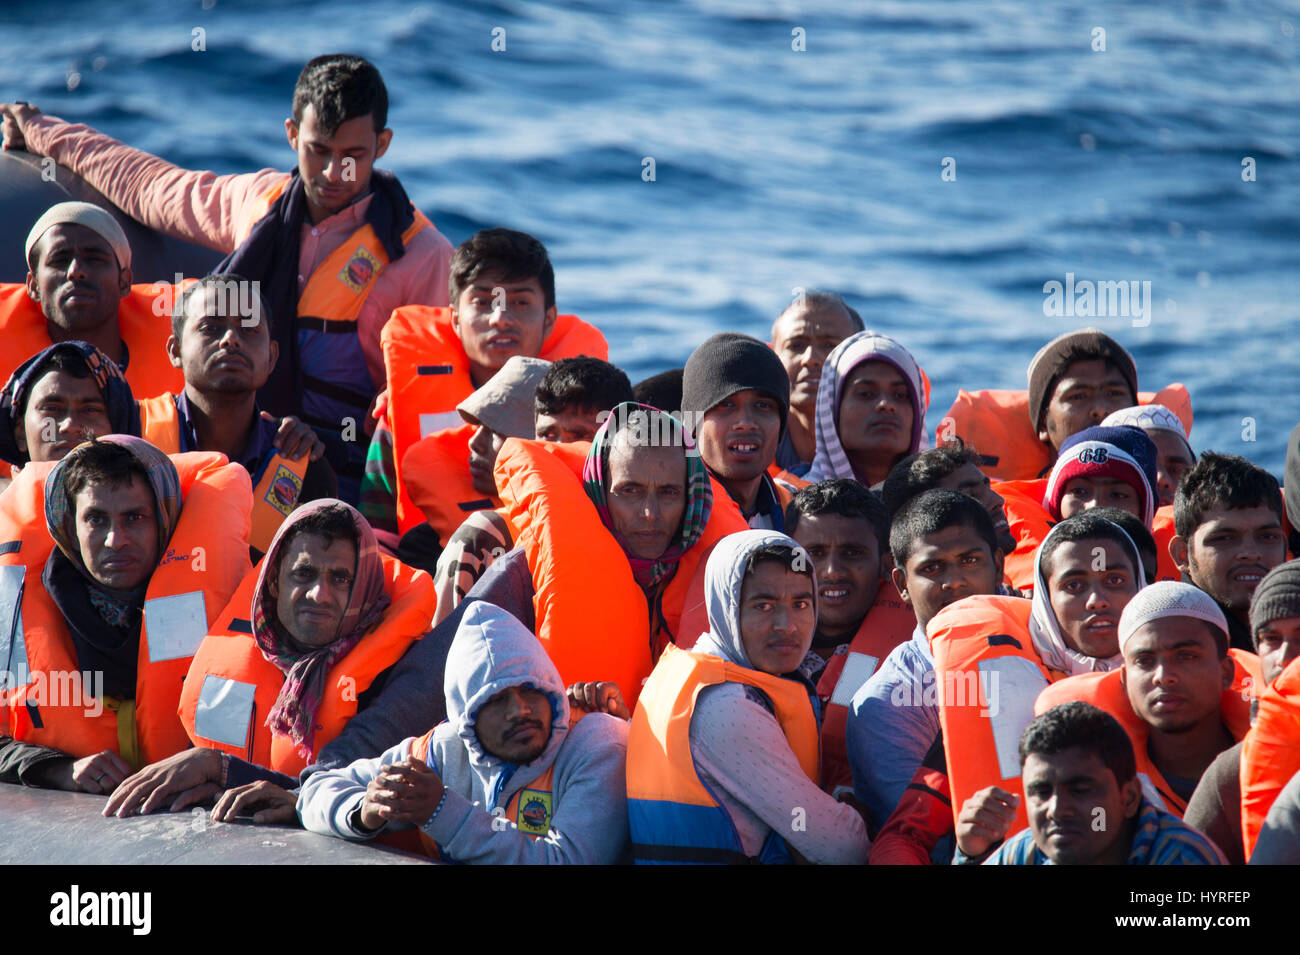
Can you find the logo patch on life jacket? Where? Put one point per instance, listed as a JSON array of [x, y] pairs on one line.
[[283, 492], [534, 812], [360, 269]]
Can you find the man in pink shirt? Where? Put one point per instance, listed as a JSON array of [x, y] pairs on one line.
[[347, 231]]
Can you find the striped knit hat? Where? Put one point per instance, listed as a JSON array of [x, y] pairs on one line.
[[1124, 453]]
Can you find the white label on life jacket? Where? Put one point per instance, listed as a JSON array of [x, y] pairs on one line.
[[175, 626], [857, 671], [429, 423], [1010, 685], [224, 711], [13, 648]]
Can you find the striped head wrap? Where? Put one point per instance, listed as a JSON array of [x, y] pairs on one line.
[[123, 413], [306, 668], [831, 460], [650, 426]]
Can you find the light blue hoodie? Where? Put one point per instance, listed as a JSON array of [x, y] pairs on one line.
[[492, 652]]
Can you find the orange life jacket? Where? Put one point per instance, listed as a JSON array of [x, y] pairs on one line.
[[783, 477], [531, 808], [592, 616], [888, 623], [205, 560], [1106, 692], [1029, 523], [987, 675], [160, 425], [437, 479], [279, 482], [232, 686], [996, 424], [672, 815], [1162, 529], [1271, 755], [428, 375], [143, 321]]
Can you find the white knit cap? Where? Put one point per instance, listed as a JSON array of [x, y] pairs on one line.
[[1149, 418], [86, 214], [1169, 598]]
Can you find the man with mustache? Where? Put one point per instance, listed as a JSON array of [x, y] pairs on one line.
[[222, 343], [802, 336], [337, 243], [1085, 803], [79, 289], [516, 775], [1228, 534]]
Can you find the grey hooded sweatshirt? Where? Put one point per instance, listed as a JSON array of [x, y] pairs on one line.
[[493, 651], [740, 752]]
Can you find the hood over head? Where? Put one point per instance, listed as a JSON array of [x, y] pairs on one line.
[[123, 412], [1045, 628], [493, 651], [724, 576], [831, 460]]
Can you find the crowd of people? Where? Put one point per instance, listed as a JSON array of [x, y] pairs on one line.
[[360, 533]]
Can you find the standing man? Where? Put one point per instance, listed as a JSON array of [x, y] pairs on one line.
[[335, 243]]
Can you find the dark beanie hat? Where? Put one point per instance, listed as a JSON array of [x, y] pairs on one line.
[[1058, 354], [1276, 598], [662, 391], [727, 363]]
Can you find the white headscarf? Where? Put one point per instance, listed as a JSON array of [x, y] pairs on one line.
[[831, 461], [1045, 629], [724, 575]]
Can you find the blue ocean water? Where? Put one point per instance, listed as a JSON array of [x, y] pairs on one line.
[[794, 145]]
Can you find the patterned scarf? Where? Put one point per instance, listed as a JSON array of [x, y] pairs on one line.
[[163, 479], [270, 252], [305, 669], [123, 413], [651, 426]]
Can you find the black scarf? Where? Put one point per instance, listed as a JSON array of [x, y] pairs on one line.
[[270, 255], [111, 650]]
